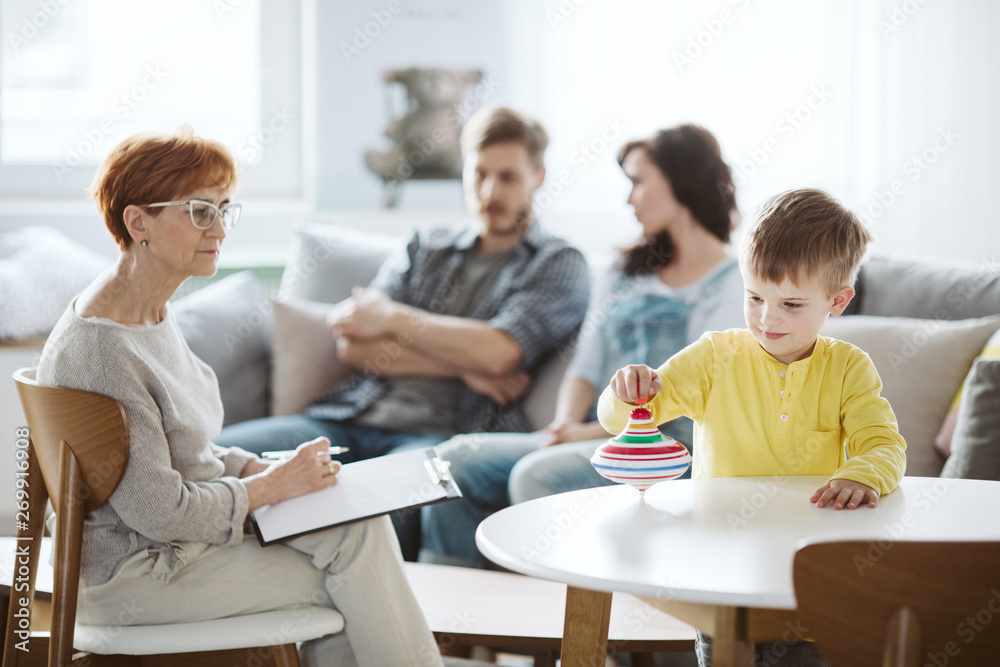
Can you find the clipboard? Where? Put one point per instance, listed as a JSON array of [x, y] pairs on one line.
[[364, 489]]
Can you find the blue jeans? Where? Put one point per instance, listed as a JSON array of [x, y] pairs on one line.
[[289, 431], [365, 442], [480, 465], [553, 470]]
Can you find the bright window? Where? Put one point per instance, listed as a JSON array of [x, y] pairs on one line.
[[78, 77]]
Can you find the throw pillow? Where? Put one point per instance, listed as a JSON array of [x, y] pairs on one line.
[[947, 432], [325, 262], [303, 355], [976, 447], [33, 295], [227, 325], [922, 363]]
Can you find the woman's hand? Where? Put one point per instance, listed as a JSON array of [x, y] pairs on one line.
[[503, 389], [308, 469], [636, 382], [558, 433]]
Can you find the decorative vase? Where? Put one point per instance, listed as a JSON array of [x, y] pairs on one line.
[[641, 455]]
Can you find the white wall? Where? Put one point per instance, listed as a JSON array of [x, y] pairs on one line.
[[350, 95], [900, 74], [877, 86]]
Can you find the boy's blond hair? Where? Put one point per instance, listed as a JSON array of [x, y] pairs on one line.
[[805, 233]]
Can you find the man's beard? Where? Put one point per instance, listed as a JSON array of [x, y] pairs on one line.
[[522, 220]]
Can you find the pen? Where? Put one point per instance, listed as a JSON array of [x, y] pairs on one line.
[[277, 456]]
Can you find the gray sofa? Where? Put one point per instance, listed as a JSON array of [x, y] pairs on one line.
[[923, 323]]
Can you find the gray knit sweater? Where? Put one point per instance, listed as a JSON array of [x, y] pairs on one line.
[[178, 486]]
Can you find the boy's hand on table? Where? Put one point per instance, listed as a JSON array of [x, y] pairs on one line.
[[634, 382], [843, 493]]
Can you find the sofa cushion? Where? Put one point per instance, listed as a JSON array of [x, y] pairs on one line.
[[922, 363], [901, 287], [303, 355], [227, 324], [976, 446], [325, 261]]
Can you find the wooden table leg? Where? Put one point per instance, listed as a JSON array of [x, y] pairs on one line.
[[730, 647], [585, 630]]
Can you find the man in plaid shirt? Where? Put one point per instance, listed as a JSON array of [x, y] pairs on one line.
[[450, 330]]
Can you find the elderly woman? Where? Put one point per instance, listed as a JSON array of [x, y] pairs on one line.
[[171, 535]]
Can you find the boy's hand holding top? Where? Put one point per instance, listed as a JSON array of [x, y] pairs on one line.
[[776, 398], [636, 383]]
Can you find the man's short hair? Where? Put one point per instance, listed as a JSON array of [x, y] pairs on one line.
[[805, 233], [497, 125]]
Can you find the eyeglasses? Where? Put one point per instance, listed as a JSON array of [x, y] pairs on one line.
[[204, 213]]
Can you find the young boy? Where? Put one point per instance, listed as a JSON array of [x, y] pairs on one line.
[[776, 398]]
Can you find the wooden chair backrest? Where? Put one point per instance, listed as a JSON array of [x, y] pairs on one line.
[[94, 427], [77, 453], [880, 603]]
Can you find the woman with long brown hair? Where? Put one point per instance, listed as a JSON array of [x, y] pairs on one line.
[[661, 294]]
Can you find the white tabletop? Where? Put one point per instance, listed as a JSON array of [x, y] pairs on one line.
[[725, 541]]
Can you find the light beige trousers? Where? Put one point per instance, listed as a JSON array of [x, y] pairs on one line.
[[356, 569]]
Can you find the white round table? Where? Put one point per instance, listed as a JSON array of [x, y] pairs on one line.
[[716, 553]]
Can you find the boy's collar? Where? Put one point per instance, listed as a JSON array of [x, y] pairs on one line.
[[818, 347]]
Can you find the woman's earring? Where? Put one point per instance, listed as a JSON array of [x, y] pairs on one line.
[[144, 243]]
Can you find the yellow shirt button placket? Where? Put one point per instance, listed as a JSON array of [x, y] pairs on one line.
[[781, 428]]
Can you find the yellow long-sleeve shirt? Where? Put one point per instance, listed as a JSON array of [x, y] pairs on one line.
[[753, 415]]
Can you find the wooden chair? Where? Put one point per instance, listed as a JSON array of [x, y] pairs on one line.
[[76, 454], [901, 604]]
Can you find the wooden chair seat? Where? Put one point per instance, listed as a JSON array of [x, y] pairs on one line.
[[239, 632]]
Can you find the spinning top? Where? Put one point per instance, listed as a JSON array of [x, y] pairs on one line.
[[641, 455]]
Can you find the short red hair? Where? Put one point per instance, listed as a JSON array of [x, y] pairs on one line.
[[149, 168]]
